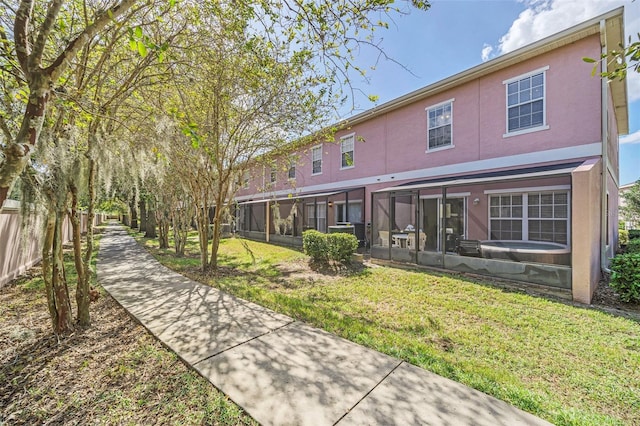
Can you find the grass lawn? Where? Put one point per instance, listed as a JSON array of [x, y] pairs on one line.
[[113, 372], [567, 364]]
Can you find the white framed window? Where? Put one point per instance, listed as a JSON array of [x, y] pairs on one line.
[[526, 102], [440, 125], [346, 151], [355, 211], [316, 160], [533, 216], [291, 173], [505, 213], [549, 217], [321, 209], [310, 216]]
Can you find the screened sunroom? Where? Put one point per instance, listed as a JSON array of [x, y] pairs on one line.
[[284, 219], [513, 224]]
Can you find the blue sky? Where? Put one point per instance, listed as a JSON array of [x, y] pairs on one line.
[[455, 35]]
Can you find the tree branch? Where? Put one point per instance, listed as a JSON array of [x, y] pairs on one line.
[[35, 58], [21, 34], [5, 129], [60, 64]]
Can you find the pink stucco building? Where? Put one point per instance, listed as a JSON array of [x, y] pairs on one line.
[[509, 169]]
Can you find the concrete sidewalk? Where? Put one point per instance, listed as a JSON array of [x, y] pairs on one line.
[[281, 371]]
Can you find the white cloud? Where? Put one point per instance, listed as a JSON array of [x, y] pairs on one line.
[[633, 86], [542, 18], [486, 52], [630, 138]]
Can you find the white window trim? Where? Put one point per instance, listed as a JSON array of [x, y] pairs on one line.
[[528, 189], [342, 202], [525, 211], [544, 125], [525, 75], [312, 149], [353, 152], [439, 104], [452, 195], [530, 130], [350, 201], [273, 174], [440, 148]]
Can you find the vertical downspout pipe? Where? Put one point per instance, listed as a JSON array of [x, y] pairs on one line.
[[605, 153]]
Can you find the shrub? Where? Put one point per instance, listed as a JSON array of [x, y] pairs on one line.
[[342, 246], [625, 276], [624, 237], [314, 244], [324, 247], [633, 246], [634, 234]]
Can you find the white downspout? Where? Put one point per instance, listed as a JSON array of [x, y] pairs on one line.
[[605, 153]]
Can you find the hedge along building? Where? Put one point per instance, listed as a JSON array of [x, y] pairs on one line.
[[508, 169]]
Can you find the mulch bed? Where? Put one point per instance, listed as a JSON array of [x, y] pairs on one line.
[[113, 372]]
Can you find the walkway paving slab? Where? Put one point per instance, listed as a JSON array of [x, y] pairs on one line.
[[194, 320], [280, 371], [297, 375], [413, 396]]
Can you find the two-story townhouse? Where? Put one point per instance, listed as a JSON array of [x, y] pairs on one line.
[[509, 169]]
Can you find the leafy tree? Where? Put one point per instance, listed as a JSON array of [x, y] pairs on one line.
[[40, 53], [631, 209], [619, 61], [84, 91]]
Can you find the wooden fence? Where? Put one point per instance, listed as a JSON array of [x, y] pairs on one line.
[[21, 249]]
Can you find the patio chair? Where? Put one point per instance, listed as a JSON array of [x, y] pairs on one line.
[[384, 238], [411, 241]]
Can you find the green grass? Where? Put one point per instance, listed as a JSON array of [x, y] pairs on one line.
[[567, 364]]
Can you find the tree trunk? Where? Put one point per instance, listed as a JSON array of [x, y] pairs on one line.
[[162, 216], [181, 221], [88, 254], [215, 243], [64, 324], [151, 225], [202, 218], [143, 215], [53, 273], [151, 222], [82, 289], [54, 276], [47, 249], [17, 153], [134, 213]]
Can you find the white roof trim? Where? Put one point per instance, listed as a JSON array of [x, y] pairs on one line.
[[472, 181]]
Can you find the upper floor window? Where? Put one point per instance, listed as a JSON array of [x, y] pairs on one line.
[[273, 174], [526, 102], [316, 159], [346, 151], [439, 125], [291, 173]]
